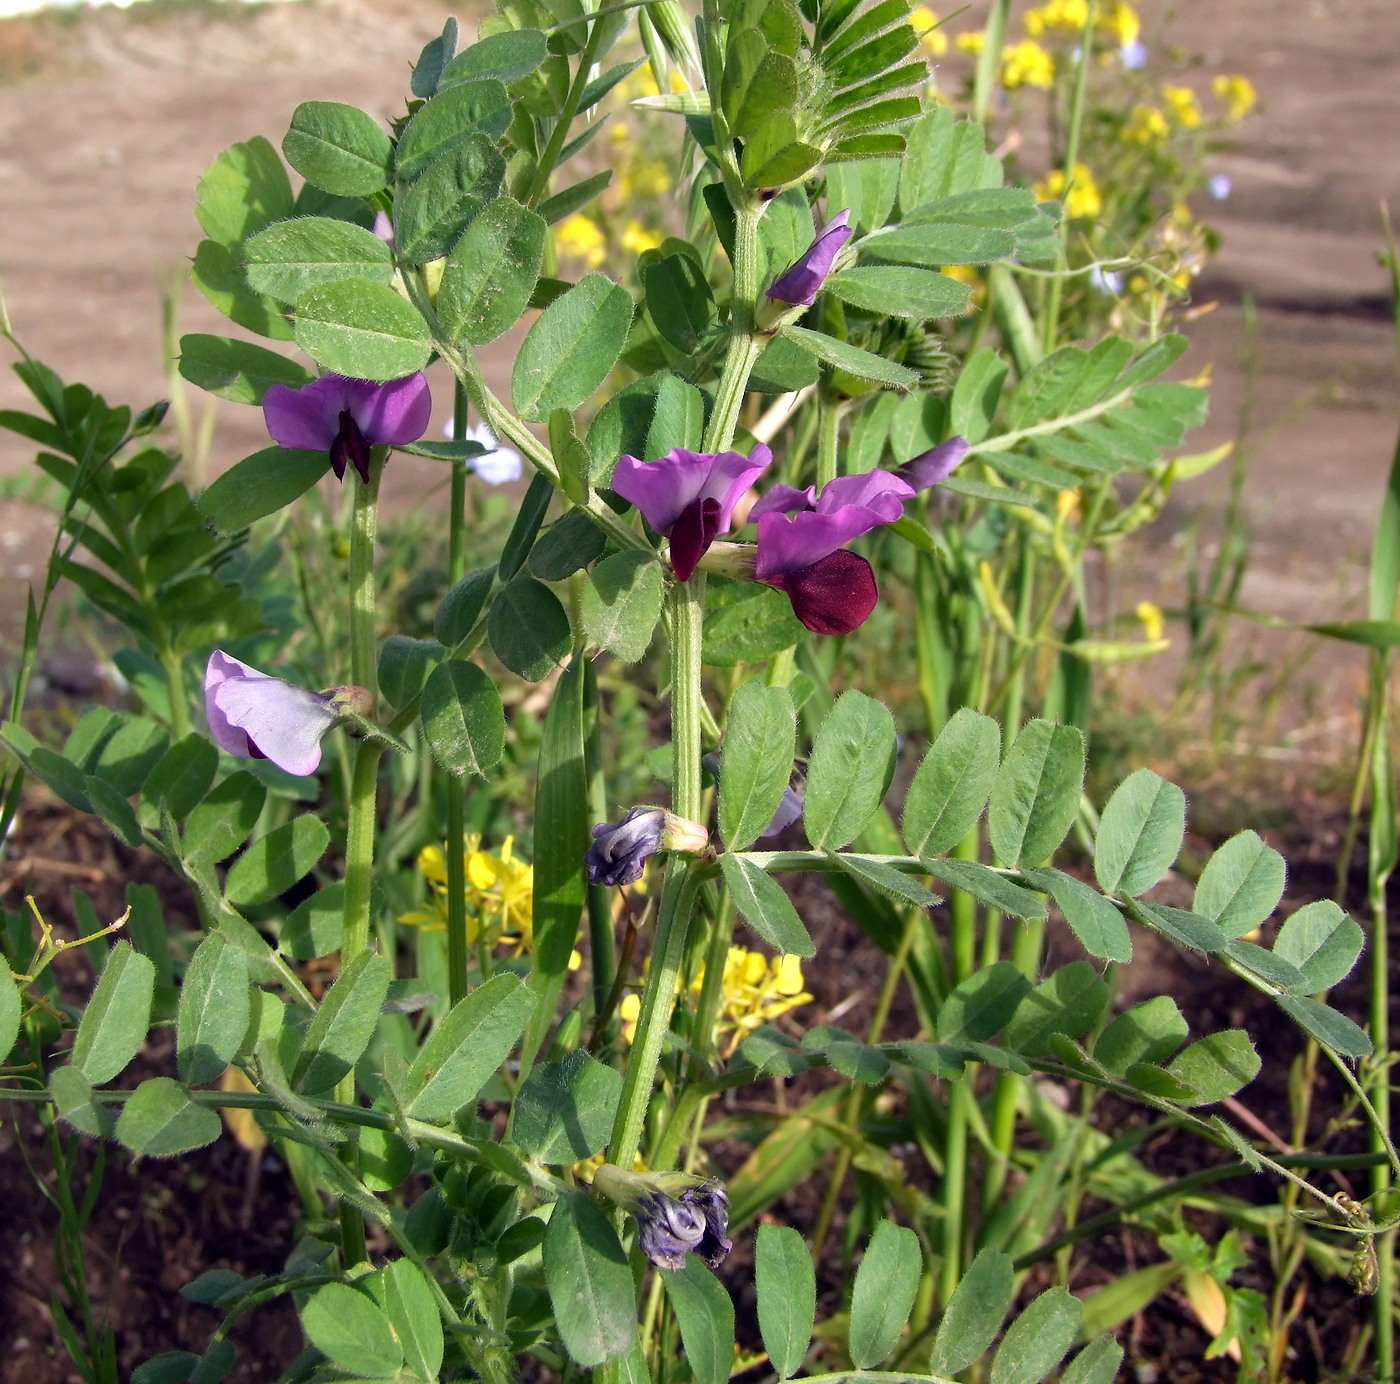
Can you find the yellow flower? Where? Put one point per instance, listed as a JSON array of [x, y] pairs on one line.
[[1183, 106], [755, 990], [1027, 64], [970, 42], [931, 38], [1152, 620], [1057, 14], [629, 1011], [1146, 125], [1121, 20], [1238, 94], [1084, 200], [580, 238], [637, 239], [500, 896], [1067, 504]]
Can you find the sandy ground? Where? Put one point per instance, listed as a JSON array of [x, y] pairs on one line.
[[101, 148]]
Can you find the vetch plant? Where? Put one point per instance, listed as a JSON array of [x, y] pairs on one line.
[[492, 1097]]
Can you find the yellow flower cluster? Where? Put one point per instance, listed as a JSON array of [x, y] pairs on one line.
[[1146, 125], [971, 42], [756, 989], [500, 895], [1084, 199], [1182, 105], [1121, 20], [1237, 93], [579, 237], [1027, 64], [932, 39], [1057, 14], [1118, 19]]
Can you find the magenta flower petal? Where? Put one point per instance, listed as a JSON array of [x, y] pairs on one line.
[[689, 496], [881, 492], [929, 468], [788, 544], [308, 417], [783, 499], [832, 596], [391, 414], [255, 716], [803, 280]]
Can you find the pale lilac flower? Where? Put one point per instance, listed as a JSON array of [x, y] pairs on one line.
[[1106, 280], [689, 497], [804, 279], [383, 228], [1219, 187], [789, 810], [1133, 55], [255, 716], [346, 417]]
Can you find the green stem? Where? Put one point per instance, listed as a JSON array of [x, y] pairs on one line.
[[678, 888], [457, 941], [360, 809], [989, 60], [175, 686], [654, 1020], [1051, 325], [745, 345], [831, 411], [567, 112]]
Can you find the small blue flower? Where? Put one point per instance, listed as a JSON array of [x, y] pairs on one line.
[[1133, 55], [1219, 187]]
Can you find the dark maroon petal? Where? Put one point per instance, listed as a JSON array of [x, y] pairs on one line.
[[832, 596], [692, 534], [350, 445]]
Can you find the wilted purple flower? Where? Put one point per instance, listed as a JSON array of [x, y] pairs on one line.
[[804, 279], [621, 849], [675, 1213], [347, 417], [712, 1201], [689, 496], [256, 716]]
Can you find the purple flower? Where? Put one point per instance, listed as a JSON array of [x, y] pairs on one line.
[[789, 810], [347, 417], [937, 464], [804, 279], [1133, 55], [688, 496], [256, 716], [1219, 187], [801, 546]]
